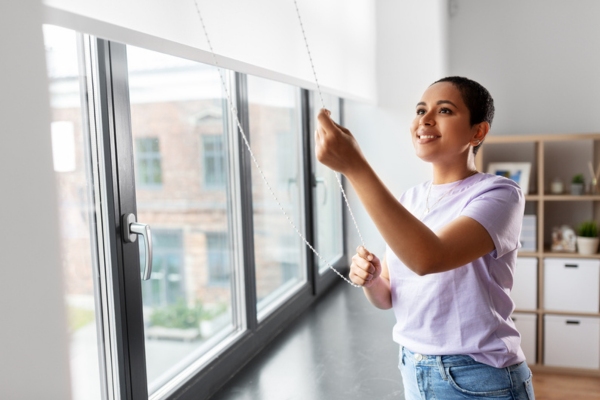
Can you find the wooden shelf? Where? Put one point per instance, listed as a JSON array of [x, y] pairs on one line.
[[568, 197], [571, 313], [557, 312], [560, 254], [547, 155], [528, 254], [563, 370], [541, 138], [562, 197]]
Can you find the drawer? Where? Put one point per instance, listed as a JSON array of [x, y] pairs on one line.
[[524, 291], [527, 326], [571, 284], [572, 341]]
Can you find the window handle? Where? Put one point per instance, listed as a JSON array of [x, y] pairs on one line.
[[131, 230]]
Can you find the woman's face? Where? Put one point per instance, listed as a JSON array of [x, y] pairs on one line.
[[441, 130]]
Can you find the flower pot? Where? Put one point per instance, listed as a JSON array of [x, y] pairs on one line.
[[586, 245], [576, 189]]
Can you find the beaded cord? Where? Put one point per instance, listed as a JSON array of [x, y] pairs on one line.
[[254, 160]]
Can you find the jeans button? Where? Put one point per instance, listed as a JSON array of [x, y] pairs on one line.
[[418, 356]]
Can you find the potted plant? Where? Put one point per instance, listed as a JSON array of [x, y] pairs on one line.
[[587, 238], [577, 184], [176, 321]]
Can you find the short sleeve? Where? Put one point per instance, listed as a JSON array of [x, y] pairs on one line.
[[499, 209]]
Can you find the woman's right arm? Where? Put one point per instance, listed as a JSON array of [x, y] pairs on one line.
[[373, 275]]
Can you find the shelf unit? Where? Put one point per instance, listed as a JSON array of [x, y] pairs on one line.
[[551, 156]]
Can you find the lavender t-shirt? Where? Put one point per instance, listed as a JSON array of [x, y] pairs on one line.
[[466, 310]]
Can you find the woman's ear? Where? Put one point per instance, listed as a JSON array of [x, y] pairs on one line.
[[482, 130]]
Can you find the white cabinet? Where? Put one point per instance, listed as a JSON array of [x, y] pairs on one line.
[[527, 326], [524, 291], [571, 284], [571, 341]]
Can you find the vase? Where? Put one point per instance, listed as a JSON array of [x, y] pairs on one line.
[[556, 187], [576, 189], [587, 245]]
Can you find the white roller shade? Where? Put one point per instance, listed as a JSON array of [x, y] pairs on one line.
[[260, 37]]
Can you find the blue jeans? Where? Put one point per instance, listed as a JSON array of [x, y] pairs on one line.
[[460, 377]]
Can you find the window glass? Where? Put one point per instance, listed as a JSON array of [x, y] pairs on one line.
[[71, 156], [213, 162], [166, 284], [148, 169], [179, 127], [328, 198], [218, 258], [275, 132]]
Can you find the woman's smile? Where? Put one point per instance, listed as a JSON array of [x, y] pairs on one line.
[[426, 136]]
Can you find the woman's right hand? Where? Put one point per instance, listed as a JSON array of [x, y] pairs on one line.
[[365, 268], [336, 147]]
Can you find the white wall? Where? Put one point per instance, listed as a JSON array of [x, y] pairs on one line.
[[260, 37], [538, 58], [33, 337], [411, 54]]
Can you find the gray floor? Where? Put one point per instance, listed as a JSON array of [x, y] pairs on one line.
[[341, 348]]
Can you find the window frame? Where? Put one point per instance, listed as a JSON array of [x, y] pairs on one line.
[[322, 282], [110, 63]]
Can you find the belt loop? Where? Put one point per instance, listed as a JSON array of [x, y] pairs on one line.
[[441, 367]]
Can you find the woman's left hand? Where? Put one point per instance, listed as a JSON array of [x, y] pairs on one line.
[[336, 147]]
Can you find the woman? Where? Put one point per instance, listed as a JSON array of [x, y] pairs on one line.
[[451, 251]]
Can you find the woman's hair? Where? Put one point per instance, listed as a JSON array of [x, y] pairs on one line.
[[477, 99]]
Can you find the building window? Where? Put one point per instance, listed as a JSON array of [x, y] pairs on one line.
[[213, 162], [218, 258], [166, 282], [149, 171], [286, 158]]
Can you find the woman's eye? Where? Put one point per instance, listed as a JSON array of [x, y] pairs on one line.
[[445, 111], [420, 111]]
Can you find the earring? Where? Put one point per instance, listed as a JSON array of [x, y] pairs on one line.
[[477, 143]]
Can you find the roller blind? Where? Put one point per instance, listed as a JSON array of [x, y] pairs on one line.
[[258, 37]]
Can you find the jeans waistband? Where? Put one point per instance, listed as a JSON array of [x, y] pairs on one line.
[[442, 361]]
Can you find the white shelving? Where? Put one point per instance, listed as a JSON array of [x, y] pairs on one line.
[[557, 294]]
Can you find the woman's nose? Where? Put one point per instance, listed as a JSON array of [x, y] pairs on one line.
[[427, 119]]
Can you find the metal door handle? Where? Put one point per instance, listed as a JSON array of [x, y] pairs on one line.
[[131, 230]]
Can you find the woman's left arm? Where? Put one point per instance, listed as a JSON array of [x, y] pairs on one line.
[[418, 247]]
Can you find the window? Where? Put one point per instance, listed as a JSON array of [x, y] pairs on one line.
[[148, 162], [224, 256], [214, 162], [218, 258], [275, 132], [77, 212], [285, 154], [328, 199], [185, 314]]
